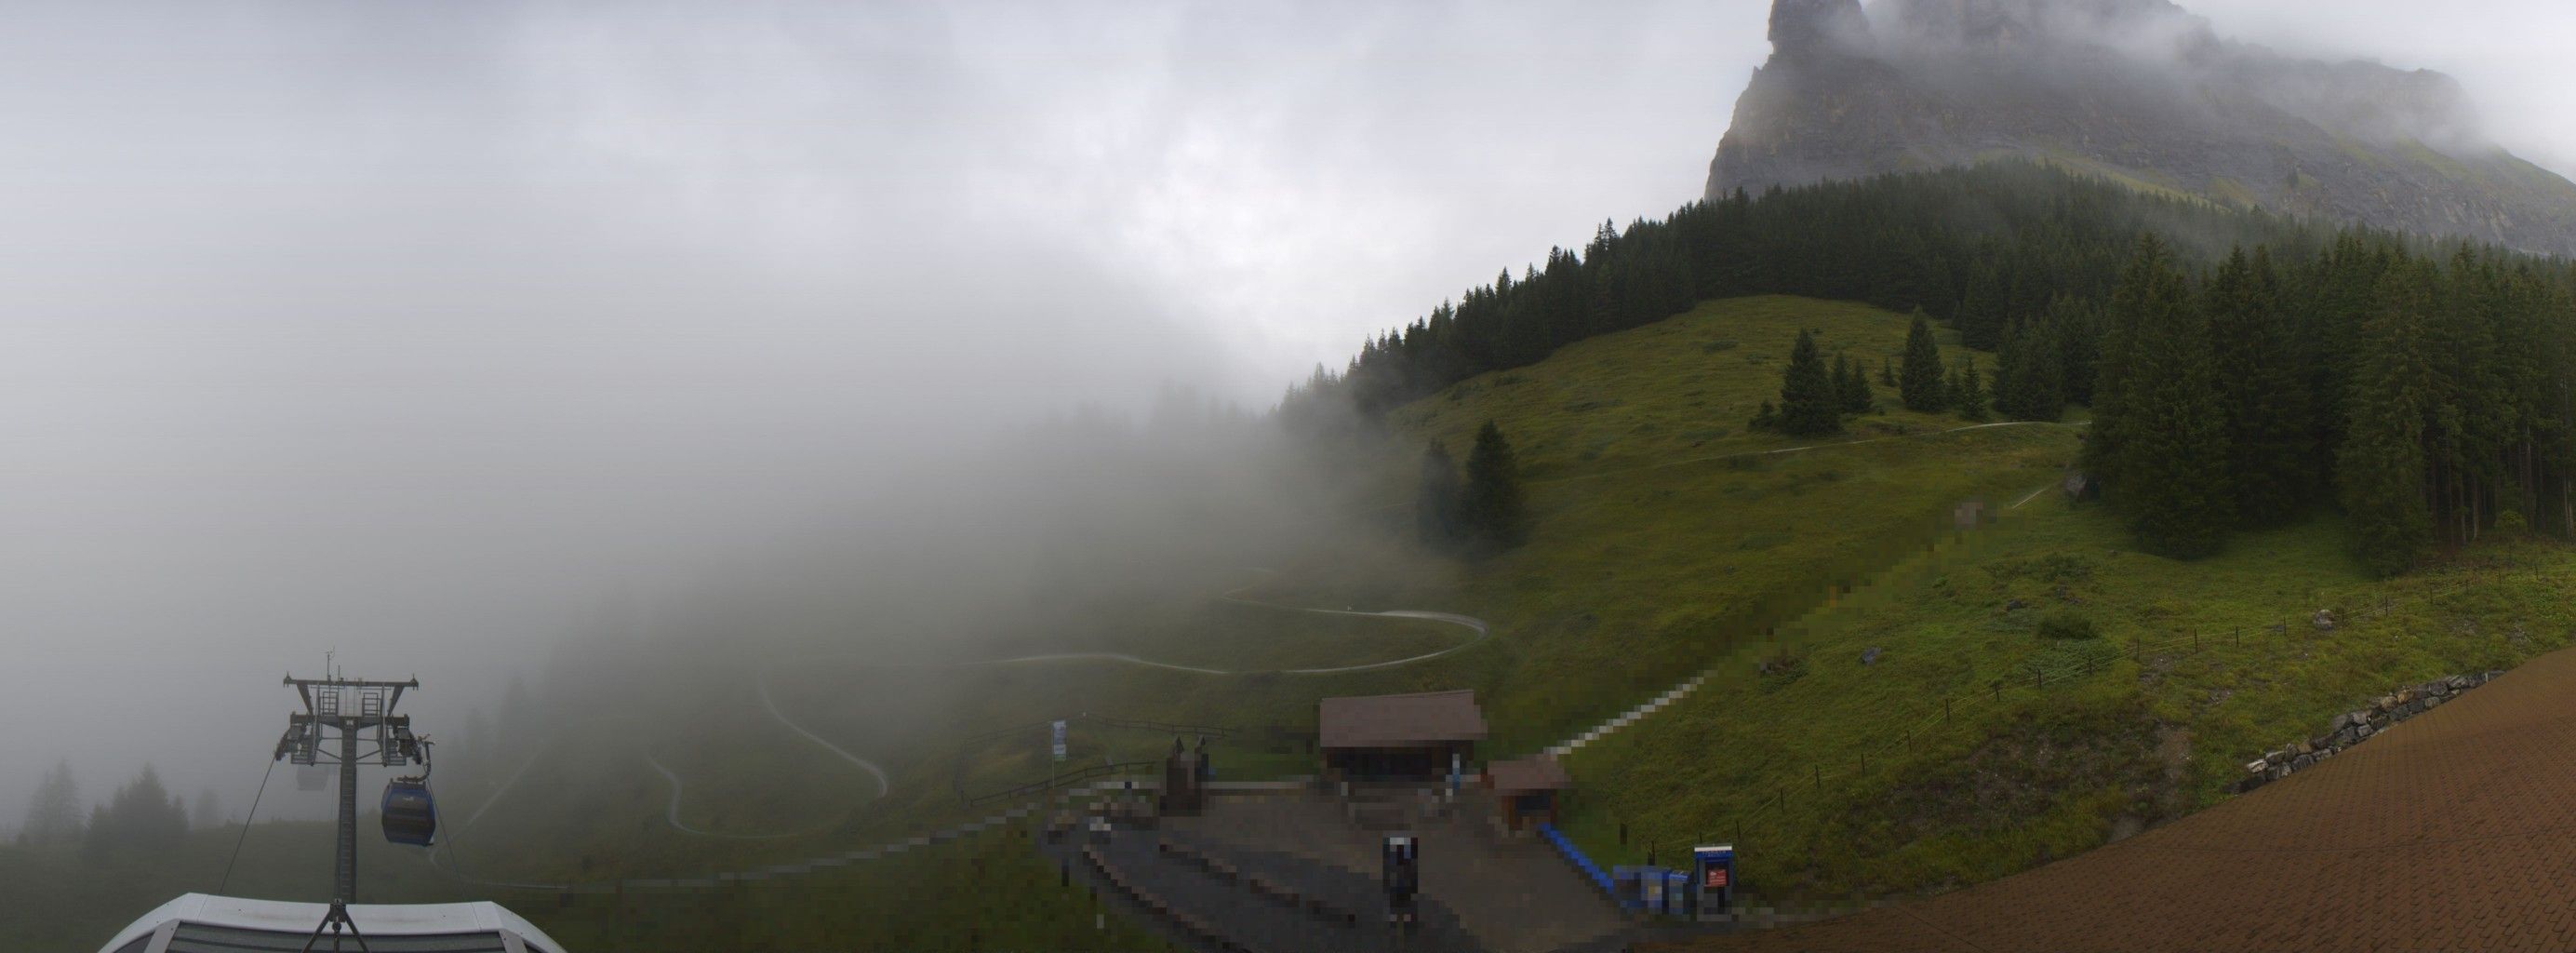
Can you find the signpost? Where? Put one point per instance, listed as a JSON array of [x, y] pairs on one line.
[[1401, 859], [1059, 741]]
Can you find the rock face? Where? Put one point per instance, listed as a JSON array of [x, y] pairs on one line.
[[2135, 90]]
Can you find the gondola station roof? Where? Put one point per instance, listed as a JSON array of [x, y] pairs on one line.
[[1419, 720], [204, 923]]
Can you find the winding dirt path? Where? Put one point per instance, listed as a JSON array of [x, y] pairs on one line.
[[445, 859]]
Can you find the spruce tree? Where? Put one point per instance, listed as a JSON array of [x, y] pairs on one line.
[[1886, 372], [1808, 404], [1856, 397], [1980, 314], [1768, 418], [2169, 438], [53, 816], [1435, 504], [1921, 387], [2027, 380], [2379, 470], [1971, 393], [2272, 455], [143, 815], [1491, 509]]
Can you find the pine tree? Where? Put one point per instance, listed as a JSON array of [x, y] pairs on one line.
[[98, 837], [1971, 393], [2272, 456], [1768, 418], [2379, 470], [1856, 397], [53, 817], [1886, 372], [1436, 502], [2027, 380], [1980, 314], [1921, 386], [1808, 405], [1492, 510], [143, 815], [2166, 436]]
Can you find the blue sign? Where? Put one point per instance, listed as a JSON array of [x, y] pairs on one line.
[[1714, 878], [1059, 740]]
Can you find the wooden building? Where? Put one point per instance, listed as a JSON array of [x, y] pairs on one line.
[[1399, 737], [1526, 791]]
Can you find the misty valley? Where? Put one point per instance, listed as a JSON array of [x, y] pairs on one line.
[[804, 477]]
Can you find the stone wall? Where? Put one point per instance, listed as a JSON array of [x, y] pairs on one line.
[[2354, 727]]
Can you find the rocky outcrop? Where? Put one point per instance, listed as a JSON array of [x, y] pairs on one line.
[[1808, 28], [2137, 90], [2356, 726]]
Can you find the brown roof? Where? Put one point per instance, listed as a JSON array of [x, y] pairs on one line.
[[1400, 721], [1528, 775]]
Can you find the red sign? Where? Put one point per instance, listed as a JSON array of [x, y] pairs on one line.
[[1717, 878]]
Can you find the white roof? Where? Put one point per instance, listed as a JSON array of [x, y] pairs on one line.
[[373, 919]]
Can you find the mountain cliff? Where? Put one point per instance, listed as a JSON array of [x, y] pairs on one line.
[[2139, 91]]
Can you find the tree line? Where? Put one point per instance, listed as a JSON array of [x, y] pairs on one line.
[[140, 816], [2238, 365], [1979, 249], [2431, 394], [1814, 401]]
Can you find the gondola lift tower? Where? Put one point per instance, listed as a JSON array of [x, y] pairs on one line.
[[339, 715]]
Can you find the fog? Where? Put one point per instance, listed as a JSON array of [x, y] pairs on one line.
[[432, 334]]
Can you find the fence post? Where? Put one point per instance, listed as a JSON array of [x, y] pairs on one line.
[[1820, 776], [1945, 709]]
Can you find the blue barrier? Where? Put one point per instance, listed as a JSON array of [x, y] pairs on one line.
[[1582, 864]]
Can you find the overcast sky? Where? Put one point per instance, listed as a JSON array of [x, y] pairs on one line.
[[408, 329]]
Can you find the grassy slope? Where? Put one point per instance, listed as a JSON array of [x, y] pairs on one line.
[[1637, 459], [1665, 535], [1913, 801], [1655, 556]]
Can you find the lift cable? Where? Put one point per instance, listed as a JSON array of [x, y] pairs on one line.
[[245, 831]]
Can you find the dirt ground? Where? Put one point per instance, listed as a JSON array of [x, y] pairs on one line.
[[2454, 830]]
